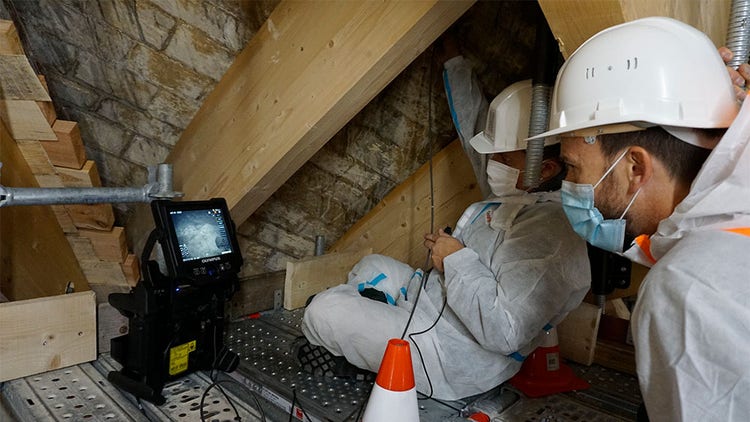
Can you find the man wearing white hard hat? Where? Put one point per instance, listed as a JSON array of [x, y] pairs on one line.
[[656, 149], [512, 266]]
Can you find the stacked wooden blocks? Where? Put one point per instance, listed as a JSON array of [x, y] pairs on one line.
[[55, 153]]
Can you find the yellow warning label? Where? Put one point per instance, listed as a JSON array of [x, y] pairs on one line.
[[178, 357]]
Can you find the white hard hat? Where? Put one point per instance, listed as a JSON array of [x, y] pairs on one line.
[[649, 72], [507, 124]]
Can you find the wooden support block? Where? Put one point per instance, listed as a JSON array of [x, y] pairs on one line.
[[577, 333], [43, 334], [109, 245], [68, 151], [47, 108], [92, 217], [617, 308], [85, 177], [100, 273], [82, 247], [110, 324], [9, 41], [132, 269], [64, 219], [37, 159], [257, 293], [309, 276], [396, 225], [24, 120]]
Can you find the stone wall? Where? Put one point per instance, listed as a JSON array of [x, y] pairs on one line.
[[133, 73]]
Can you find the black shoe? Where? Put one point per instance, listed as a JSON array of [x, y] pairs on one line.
[[318, 361]]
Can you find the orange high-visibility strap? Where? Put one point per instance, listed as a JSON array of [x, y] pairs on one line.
[[644, 242], [745, 231]]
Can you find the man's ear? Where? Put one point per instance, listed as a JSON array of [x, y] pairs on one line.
[[550, 169], [640, 168]]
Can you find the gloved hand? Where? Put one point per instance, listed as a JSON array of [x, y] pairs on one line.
[[739, 77], [441, 244]]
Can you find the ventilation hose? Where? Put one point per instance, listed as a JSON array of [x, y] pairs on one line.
[[738, 32], [544, 72]]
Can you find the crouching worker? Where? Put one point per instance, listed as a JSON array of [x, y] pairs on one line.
[[512, 266]]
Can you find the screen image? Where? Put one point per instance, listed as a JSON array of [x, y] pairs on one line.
[[201, 233]]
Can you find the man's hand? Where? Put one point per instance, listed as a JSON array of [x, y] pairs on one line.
[[441, 245], [739, 77]]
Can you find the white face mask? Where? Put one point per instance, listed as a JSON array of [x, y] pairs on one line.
[[502, 179]]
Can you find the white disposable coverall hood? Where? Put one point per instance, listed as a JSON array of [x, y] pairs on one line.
[[691, 323]]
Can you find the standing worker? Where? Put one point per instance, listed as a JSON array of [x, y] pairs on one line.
[[642, 109]]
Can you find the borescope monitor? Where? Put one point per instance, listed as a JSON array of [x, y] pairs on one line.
[[198, 239]]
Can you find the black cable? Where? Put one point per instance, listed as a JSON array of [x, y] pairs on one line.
[[231, 381], [203, 400], [291, 410], [419, 352]]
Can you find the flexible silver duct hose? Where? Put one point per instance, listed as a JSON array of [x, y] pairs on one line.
[[738, 32], [545, 69], [538, 122]]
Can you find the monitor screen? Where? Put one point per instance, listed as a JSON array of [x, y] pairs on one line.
[[198, 239], [201, 233]]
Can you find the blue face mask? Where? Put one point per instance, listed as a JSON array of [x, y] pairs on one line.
[[587, 221]]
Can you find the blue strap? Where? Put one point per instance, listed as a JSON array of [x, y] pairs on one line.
[[451, 107], [517, 356], [380, 277], [390, 299], [403, 292]]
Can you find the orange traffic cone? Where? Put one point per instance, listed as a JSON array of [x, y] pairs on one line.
[[394, 395], [542, 373]]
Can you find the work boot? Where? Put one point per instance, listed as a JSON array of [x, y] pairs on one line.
[[319, 361]]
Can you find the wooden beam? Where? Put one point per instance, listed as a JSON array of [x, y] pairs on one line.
[[24, 120], [110, 245], [312, 275], [43, 334], [300, 79], [574, 21], [37, 259], [396, 226], [257, 293]]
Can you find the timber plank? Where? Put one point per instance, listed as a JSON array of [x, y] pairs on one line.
[[309, 276], [43, 334], [574, 21]]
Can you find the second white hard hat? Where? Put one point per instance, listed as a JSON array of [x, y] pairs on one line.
[[649, 72], [507, 124]]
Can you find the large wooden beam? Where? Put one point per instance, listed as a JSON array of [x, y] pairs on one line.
[[395, 227], [301, 78], [574, 21]]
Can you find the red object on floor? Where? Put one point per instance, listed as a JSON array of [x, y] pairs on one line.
[[543, 373]]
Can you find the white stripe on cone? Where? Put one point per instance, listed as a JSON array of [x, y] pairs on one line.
[[390, 406]]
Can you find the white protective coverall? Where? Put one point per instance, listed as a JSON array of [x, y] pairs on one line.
[[691, 323], [522, 268]]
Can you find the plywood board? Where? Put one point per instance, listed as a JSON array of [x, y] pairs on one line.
[[396, 226], [24, 120], [577, 334], [309, 276], [301, 78], [43, 334]]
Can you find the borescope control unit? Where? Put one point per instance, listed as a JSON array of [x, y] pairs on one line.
[[176, 321]]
